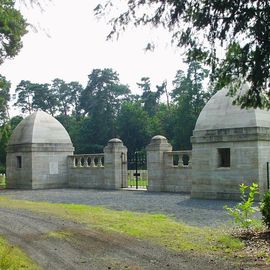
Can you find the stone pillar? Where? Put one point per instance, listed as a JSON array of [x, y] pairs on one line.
[[115, 165], [156, 163]]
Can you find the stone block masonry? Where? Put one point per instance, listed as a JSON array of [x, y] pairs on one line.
[[107, 170], [168, 171]]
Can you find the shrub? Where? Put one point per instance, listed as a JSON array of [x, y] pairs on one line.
[[2, 169], [243, 212], [265, 209]]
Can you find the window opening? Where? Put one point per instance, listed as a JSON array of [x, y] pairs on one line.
[[224, 157], [19, 161]]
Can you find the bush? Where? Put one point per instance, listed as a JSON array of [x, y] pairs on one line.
[[243, 212], [2, 169], [265, 209]]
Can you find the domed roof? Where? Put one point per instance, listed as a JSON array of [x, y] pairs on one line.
[[39, 127], [219, 113]]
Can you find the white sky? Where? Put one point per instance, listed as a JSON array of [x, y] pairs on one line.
[[74, 43]]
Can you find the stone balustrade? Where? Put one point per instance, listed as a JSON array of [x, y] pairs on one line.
[[179, 159], [106, 170], [87, 161], [168, 170]]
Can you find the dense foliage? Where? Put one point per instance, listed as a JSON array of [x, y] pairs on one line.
[[265, 209], [12, 28], [232, 37], [106, 108]]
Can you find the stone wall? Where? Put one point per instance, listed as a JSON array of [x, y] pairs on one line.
[[101, 171], [19, 177], [166, 169], [86, 171], [41, 166], [249, 151]]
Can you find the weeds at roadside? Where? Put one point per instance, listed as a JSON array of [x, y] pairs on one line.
[[251, 231], [157, 228], [12, 258]]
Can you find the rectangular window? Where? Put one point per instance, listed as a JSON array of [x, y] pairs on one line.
[[224, 156], [19, 161]]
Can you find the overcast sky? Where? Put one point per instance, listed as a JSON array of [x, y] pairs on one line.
[[71, 42]]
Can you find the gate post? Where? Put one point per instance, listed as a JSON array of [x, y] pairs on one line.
[[115, 165], [156, 162]]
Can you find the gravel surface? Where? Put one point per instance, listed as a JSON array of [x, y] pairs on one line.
[[180, 206], [86, 248]]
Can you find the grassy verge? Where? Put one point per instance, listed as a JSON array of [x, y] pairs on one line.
[[2, 182], [157, 228], [142, 179], [141, 182], [12, 258]]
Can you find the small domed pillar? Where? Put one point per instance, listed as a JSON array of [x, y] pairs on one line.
[[115, 165], [155, 162]]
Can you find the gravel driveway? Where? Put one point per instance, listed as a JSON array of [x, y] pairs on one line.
[[180, 206]]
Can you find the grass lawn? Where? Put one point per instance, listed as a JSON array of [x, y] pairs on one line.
[[2, 182], [12, 258], [142, 179], [156, 228]]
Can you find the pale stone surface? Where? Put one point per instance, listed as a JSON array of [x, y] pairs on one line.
[[245, 132], [162, 174], [219, 113], [92, 174], [43, 145], [86, 178], [47, 161], [115, 165], [39, 127], [43, 148]]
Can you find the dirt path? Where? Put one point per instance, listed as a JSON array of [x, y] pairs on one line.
[[42, 238]]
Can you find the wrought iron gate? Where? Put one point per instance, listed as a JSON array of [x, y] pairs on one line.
[[137, 170]]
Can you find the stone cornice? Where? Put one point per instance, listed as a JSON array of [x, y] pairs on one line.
[[231, 135], [40, 147]]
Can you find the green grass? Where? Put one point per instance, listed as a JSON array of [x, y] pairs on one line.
[[58, 234], [12, 258], [157, 228], [141, 182], [142, 179], [2, 183]]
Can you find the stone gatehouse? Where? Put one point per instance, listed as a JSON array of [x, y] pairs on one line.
[[230, 146]]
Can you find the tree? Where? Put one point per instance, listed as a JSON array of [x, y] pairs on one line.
[[36, 96], [72, 125], [133, 126], [75, 89], [5, 133], [103, 92], [67, 95], [241, 28], [101, 101], [63, 95], [12, 28], [189, 87], [4, 118], [45, 98], [190, 98], [25, 93], [150, 99], [4, 99]]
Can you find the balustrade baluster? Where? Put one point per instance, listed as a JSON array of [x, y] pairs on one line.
[[93, 162], [99, 162], [79, 161], [85, 163], [190, 162], [181, 161]]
